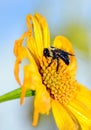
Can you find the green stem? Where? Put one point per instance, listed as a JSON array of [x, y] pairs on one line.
[[15, 94]]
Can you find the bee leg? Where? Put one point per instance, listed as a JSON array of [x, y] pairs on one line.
[[50, 63], [57, 64]]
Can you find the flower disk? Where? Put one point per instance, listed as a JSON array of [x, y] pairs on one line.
[[59, 83]]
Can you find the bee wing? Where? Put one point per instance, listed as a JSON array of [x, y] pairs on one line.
[[64, 56]]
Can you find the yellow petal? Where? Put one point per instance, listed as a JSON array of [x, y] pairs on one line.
[[65, 120], [64, 44], [81, 108], [18, 43], [45, 30], [31, 79], [37, 34], [19, 53], [32, 47], [23, 94], [84, 95], [16, 71], [31, 74], [57, 42], [42, 103], [22, 53]]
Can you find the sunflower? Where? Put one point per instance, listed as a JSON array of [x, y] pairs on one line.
[[55, 87]]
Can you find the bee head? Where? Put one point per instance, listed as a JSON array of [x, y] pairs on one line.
[[46, 52]]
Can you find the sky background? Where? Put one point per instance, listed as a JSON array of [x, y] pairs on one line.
[[62, 16]]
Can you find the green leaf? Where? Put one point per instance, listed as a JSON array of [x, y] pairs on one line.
[[15, 94]]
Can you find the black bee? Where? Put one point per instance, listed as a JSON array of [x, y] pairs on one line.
[[56, 53]]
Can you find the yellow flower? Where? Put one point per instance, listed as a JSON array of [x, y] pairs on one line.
[[56, 89]]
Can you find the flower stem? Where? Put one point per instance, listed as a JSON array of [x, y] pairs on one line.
[[15, 94]]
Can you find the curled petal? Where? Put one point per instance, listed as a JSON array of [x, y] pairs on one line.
[[64, 44], [37, 34], [31, 79], [22, 54], [18, 43], [57, 42], [16, 71], [32, 47], [42, 103], [23, 94], [45, 30]]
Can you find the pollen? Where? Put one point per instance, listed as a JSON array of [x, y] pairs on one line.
[[59, 83]]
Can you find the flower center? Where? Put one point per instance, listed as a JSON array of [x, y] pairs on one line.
[[59, 83]]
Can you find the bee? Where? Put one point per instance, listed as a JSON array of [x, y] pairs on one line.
[[57, 54]]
